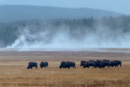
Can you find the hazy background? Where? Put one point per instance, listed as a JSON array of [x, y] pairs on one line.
[[64, 24], [120, 6]]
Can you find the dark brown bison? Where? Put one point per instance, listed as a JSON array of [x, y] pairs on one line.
[[31, 65], [44, 64], [91, 61], [104, 64], [98, 62], [62, 65], [115, 63], [82, 63], [67, 64], [107, 60], [88, 64]]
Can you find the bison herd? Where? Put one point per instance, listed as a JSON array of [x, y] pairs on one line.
[[100, 63], [34, 64], [84, 64]]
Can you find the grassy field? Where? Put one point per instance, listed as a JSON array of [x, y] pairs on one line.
[[13, 72]]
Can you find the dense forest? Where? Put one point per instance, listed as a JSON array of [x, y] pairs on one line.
[[44, 31]]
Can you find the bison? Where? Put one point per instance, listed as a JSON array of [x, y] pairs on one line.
[[62, 65], [31, 65], [67, 64], [82, 63], [86, 64], [104, 64], [98, 62], [71, 64], [89, 64], [115, 63], [44, 64], [106, 60]]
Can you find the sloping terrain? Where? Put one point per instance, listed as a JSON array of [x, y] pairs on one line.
[[10, 13]]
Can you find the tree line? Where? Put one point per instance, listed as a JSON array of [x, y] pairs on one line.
[[9, 32]]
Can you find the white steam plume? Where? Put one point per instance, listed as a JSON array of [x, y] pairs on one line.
[[65, 38]]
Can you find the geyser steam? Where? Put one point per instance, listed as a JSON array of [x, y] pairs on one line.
[[67, 36]]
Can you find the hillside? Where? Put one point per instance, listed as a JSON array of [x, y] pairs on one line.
[[9, 13]]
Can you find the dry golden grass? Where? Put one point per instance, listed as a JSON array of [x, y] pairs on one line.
[[13, 72]]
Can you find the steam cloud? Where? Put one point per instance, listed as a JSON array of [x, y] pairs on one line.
[[65, 37]]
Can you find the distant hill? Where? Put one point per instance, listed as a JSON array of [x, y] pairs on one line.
[[9, 13]]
